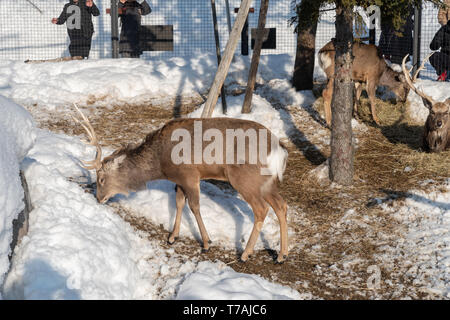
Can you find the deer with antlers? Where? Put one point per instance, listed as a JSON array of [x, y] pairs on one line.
[[128, 169], [436, 137]]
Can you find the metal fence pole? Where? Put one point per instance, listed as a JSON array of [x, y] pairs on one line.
[[115, 28], [417, 36], [219, 55]]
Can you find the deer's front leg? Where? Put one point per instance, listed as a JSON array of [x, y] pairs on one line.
[[371, 92], [359, 89], [193, 196], [181, 201], [327, 97]]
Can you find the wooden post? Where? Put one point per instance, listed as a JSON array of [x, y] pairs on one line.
[[219, 56], [224, 66], [246, 107]]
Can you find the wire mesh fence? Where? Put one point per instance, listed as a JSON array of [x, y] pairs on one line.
[[27, 31]]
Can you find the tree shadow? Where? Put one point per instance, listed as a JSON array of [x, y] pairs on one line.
[[400, 195], [404, 133]]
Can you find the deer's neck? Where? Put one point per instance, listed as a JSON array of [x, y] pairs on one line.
[[142, 165]]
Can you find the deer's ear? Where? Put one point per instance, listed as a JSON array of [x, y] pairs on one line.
[[118, 160], [427, 103]]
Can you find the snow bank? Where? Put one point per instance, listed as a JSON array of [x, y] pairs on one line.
[[213, 282], [436, 90], [76, 248], [16, 138], [125, 81]]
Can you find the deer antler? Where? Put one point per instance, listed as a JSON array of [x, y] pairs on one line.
[[414, 79], [97, 163]]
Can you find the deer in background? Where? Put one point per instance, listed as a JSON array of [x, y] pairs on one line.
[[436, 136], [370, 68], [128, 169]]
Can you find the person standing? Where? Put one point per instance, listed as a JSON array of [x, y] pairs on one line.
[[395, 44], [130, 17], [444, 13], [77, 15], [441, 60]]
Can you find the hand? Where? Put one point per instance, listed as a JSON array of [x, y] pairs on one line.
[[89, 3], [123, 1], [54, 20]]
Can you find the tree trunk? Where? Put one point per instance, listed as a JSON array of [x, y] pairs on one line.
[[341, 162], [303, 78]]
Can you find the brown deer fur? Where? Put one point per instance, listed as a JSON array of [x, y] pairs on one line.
[[436, 137], [130, 168], [370, 68]]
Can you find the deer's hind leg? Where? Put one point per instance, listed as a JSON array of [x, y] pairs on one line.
[[251, 192], [279, 205], [181, 201]]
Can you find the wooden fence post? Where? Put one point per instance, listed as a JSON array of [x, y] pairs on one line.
[[246, 107], [224, 66]]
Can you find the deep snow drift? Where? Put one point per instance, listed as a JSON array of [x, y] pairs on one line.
[[16, 138]]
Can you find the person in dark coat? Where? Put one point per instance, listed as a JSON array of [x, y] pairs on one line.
[[441, 60], [130, 17], [80, 29], [396, 44]]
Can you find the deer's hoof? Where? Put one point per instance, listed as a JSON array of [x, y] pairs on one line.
[[205, 250], [172, 241], [281, 260]]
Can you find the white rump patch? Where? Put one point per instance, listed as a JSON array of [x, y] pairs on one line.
[[324, 61], [276, 162]]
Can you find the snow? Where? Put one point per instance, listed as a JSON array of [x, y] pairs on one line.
[[109, 81], [16, 138], [436, 90], [425, 246], [210, 282]]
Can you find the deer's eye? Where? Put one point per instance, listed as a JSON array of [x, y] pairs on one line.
[[101, 180]]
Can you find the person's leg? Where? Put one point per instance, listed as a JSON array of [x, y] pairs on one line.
[[437, 61], [87, 47]]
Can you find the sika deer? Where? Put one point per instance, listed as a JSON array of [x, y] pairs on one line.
[[436, 137], [129, 169], [369, 67]]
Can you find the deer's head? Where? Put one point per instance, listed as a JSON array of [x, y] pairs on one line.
[[437, 126], [111, 175]]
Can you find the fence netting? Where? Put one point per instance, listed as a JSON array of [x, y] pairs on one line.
[[27, 31]]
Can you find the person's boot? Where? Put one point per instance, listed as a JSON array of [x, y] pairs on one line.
[[443, 76]]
